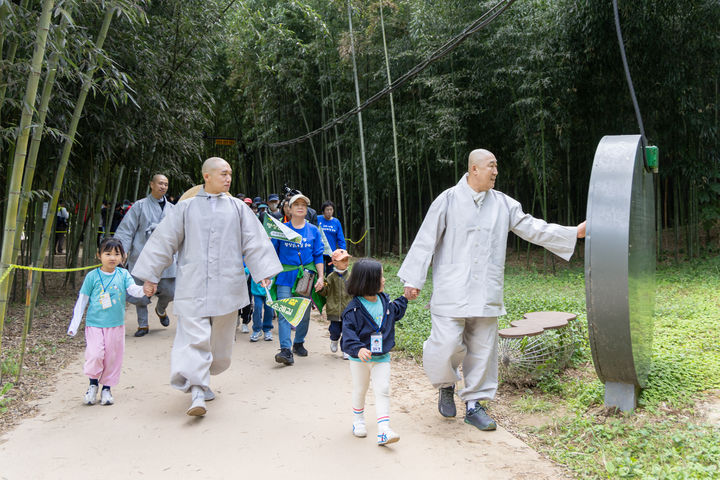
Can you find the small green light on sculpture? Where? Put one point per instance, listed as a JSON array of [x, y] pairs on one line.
[[652, 156]]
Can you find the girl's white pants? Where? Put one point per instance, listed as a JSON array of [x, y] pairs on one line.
[[362, 372]]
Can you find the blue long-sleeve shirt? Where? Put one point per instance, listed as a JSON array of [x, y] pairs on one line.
[[310, 250], [333, 232]]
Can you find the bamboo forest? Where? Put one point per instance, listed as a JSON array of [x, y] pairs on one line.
[[374, 105]]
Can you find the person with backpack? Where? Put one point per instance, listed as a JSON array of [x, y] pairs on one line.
[[62, 221]]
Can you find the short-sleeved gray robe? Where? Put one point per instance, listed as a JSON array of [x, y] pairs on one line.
[[466, 246]]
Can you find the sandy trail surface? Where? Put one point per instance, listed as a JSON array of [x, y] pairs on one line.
[[267, 421]]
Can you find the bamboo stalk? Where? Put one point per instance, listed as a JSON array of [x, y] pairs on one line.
[[137, 185], [37, 136], [67, 148], [115, 196], [26, 326], [312, 146], [339, 158], [20, 153], [366, 201], [394, 132]]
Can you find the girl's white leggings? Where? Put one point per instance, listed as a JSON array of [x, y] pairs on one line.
[[380, 374]]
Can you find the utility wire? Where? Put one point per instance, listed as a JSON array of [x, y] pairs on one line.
[[448, 47], [638, 116]]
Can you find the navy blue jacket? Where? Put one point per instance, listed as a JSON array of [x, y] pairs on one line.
[[358, 325]]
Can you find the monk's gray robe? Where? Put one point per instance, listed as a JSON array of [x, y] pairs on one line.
[[134, 231], [211, 244], [466, 245], [210, 248], [138, 224]]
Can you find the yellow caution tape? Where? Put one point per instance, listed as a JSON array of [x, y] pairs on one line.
[[40, 269], [361, 239]]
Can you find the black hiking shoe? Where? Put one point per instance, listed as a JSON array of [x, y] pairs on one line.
[[478, 417], [164, 319], [142, 331], [446, 402], [284, 356], [300, 350]]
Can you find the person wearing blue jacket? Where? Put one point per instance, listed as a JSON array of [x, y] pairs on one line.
[[262, 314], [368, 335], [297, 259], [333, 231]]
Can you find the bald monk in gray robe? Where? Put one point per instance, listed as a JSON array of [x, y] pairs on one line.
[[134, 230], [211, 233], [464, 236]]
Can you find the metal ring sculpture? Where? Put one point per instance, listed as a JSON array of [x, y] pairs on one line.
[[620, 268]]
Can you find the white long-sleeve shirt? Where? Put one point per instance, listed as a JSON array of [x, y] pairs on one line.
[[82, 302]]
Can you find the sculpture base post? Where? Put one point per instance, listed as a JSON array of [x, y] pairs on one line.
[[622, 396]]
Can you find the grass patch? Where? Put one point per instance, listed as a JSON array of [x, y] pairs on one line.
[[663, 438], [529, 403]]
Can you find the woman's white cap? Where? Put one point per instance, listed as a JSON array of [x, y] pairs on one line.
[[297, 197]]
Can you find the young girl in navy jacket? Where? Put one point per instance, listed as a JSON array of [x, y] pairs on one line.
[[368, 335]]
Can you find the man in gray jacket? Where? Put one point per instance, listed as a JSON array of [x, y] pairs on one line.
[[136, 227], [212, 234], [464, 235]]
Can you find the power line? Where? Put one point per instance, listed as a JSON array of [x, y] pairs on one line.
[[628, 79], [448, 47]]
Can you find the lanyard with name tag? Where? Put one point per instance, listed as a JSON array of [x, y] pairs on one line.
[[376, 339], [105, 300]]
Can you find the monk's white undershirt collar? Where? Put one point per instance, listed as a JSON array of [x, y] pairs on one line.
[[212, 198], [478, 197]]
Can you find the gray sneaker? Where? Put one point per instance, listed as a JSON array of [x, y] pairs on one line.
[[209, 395], [268, 336], [446, 402], [255, 336], [197, 407], [478, 417], [244, 328], [91, 395]]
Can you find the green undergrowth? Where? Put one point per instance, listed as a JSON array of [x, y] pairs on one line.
[[664, 438]]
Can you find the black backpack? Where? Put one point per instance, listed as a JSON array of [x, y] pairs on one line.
[[60, 223]]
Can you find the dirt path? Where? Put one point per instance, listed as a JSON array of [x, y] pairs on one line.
[[267, 420]]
